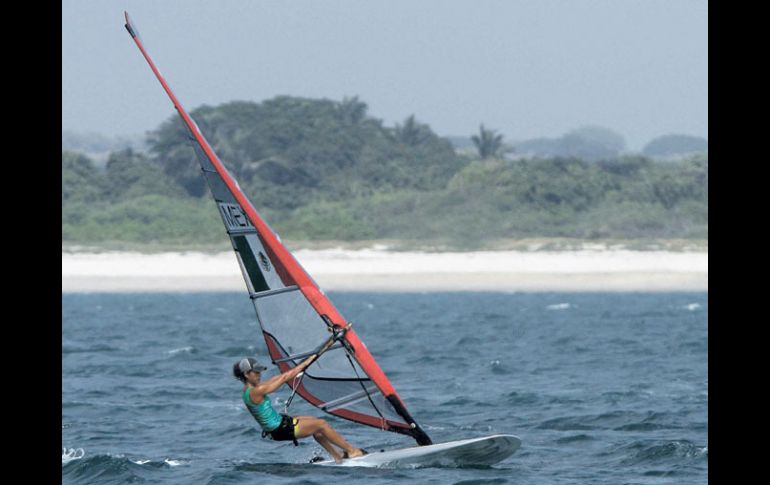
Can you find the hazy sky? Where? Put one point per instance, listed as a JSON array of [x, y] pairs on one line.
[[526, 68]]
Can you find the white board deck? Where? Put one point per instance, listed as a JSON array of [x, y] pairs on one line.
[[475, 451]]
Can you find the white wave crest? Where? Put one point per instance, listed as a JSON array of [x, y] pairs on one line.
[[558, 306], [67, 455], [692, 306], [140, 462], [181, 349], [433, 428], [171, 462]]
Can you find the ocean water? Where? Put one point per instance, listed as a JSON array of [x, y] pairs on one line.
[[601, 388]]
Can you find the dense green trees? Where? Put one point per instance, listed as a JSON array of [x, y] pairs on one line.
[[130, 175], [630, 197], [288, 151], [80, 181], [322, 169], [675, 145], [591, 143]]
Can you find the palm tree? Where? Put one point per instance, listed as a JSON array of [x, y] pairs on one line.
[[412, 132], [489, 144]]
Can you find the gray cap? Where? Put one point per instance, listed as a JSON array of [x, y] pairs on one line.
[[250, 363]]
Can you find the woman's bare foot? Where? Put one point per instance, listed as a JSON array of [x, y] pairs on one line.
[[356, 452]]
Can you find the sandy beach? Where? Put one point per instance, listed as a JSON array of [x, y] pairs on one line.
[[383, 270]]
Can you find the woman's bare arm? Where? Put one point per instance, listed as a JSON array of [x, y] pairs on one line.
[[276, 382]]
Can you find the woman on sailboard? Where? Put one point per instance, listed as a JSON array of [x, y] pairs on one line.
[[281, 427]]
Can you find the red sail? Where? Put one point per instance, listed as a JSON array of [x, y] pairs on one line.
[[291, 309]]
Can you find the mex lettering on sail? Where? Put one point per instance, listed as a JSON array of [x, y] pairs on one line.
[[234, 217]]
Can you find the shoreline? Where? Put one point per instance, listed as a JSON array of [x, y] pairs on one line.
[[533, 244], [376, 269]]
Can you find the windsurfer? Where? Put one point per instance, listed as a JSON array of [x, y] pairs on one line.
[[281, 427]]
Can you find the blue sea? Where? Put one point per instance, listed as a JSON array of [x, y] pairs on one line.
[[601, 388]]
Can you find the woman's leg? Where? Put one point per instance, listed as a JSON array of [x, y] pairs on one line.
[[328, 446], [308, 425]]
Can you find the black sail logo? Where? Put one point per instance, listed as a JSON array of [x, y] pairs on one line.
[[265, 262], [234, 217]]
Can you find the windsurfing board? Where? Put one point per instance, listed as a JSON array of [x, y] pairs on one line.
[[471, 452]]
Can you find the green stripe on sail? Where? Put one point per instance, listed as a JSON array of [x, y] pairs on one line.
[[251, 264]]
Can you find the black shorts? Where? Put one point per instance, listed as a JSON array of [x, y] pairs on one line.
[[285, 431]]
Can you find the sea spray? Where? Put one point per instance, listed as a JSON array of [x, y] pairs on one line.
[[68, 455]]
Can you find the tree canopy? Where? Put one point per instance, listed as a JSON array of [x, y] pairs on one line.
[[673, 145], [589, 143], [290, 150], [322, 169]]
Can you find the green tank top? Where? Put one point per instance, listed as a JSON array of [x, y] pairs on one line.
[[262, 412]]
